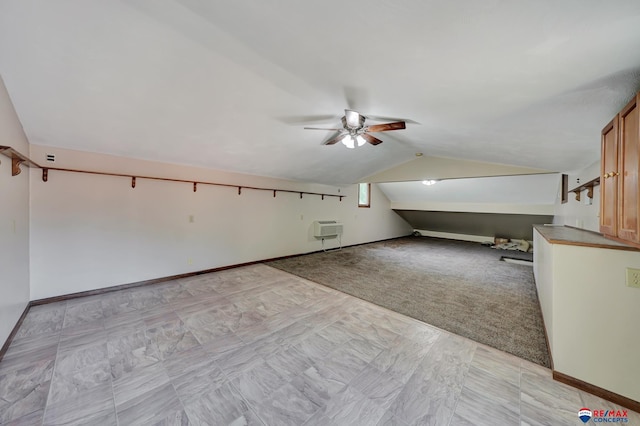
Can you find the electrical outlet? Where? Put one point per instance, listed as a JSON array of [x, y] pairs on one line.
[[633, 277], [190, 261]]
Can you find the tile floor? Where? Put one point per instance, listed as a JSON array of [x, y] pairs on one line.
[[257, 346]]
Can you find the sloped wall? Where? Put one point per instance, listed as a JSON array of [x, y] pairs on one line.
[[484, 225], [477, 209]]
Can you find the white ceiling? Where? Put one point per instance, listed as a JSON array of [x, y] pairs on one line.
[[227, 84]]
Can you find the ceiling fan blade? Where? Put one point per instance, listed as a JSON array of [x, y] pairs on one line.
[[302, 119], [398, 125], [336, 138], [381, 118], [321, 128], [371, 139]]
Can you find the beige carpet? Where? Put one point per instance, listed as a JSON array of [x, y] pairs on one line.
[[458, 286]]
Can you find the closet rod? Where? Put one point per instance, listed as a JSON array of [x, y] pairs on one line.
[[19, 159]]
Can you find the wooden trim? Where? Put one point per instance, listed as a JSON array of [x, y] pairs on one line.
[[12, 153], [558, 376], [630, 105], [627, 247], [633, 246], [368, 204], [608, 220], [13, 333], [194, 183], [604, 246], [565, 189], [17, 160], [628, 220], [597, 391], [176, 277], [139, 284], [17, 157], [588, 186]]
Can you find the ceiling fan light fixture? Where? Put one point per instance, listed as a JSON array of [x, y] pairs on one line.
[[348, 142], [354, 131]]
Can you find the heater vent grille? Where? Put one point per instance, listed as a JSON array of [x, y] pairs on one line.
[[327, 228]]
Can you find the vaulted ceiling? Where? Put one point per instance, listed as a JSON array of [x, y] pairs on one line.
[[231, 84]]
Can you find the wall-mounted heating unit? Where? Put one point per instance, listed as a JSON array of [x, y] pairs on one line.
[[326, 228]]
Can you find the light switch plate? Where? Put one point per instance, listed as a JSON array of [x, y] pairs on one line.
[[633, 277]]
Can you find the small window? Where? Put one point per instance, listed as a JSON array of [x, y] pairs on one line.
[[364, 195], [565, 189]]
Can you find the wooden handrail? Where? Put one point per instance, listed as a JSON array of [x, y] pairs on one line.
[[19, 159]]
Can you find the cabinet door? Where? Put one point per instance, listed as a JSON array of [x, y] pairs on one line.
[[628, 154], [608, 185]]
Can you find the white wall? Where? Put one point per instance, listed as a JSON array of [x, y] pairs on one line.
[[590, 314], [593, 328], [14, 222], [577, 213], [525, 194], [93, 231], [543, 273]]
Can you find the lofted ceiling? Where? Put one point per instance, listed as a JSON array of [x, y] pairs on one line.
[[231, 84], [527, 189]]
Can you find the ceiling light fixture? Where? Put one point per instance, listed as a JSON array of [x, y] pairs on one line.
[[429, 182], [348, 142]]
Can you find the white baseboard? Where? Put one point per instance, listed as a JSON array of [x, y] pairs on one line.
[[451, 236]]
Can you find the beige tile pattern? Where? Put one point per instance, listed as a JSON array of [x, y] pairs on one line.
[[257, 346]]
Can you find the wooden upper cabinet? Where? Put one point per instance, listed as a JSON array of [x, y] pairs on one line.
[[628, 156], [619, 198], [609, 185]]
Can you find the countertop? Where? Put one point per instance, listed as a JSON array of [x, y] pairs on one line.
[[579, 237]]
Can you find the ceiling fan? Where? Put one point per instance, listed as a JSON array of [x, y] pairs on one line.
[[355, 133]]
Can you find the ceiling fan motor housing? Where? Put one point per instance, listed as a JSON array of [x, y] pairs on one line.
[[353, 120], [354, 131]]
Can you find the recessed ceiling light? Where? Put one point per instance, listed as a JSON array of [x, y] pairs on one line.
[[429, 182], [418, 154]]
